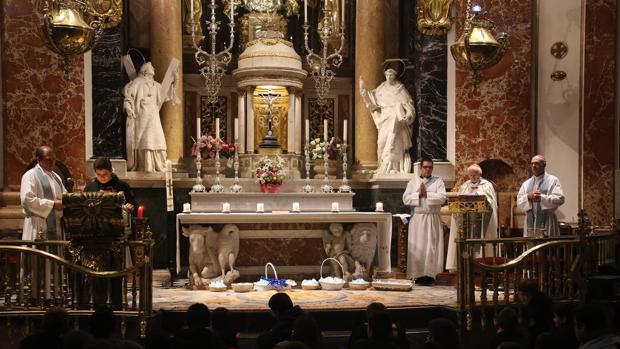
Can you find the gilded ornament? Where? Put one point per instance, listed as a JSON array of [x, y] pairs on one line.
[[434, 16]]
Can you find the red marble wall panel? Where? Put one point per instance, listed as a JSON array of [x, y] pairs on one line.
[[292, 251], [598, 110], [495, 122], [39, 105]]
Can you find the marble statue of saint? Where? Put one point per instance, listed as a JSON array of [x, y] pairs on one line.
[[393, 112], [146, 144]]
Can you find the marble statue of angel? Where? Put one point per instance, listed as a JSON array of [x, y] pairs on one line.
[[363, 246], [227, 252], [335, 242]]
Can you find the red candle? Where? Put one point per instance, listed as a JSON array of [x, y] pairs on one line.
[[140, 211]]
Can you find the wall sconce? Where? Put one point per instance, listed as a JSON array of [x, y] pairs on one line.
[[72, 27], [476, 48]]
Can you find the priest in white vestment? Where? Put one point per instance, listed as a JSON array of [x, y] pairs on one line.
[[476, 185], [425, 194], [41, 199], [539, 197]]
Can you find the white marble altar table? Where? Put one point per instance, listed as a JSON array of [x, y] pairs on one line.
[[382, 219]]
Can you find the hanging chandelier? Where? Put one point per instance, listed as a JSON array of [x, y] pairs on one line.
[[477, 49], [322, 63], [72, 27]]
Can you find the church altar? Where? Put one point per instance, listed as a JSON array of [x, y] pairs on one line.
[[303, 256], [246, 202]]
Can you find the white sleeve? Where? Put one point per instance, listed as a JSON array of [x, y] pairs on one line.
[[438, 196], [522, 200], [34, 205], [554, 199], [411, 197]]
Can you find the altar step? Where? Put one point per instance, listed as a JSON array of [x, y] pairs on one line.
[[11, 213]]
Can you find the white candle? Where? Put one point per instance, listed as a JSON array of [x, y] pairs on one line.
[[226, 207], [217, 127], [236, 129], [325, 6], [325, 129], [307, 130], [198, 129], [260, 207], [187, 207], [342, 16], [344, 131], [335, 207], [232, 8], [296, 207], [169, 166], [379, 207], [191, 11], [305, 11]]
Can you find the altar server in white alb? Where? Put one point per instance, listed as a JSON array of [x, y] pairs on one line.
[[539, 197], [425, 194], [476, 185], [41, 198]]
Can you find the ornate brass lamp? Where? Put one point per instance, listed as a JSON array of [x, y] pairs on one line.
[[72, 27], [476, 48]]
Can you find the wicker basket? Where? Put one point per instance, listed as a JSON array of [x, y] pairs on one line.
[[392, 284], [217, 289], [241, 287], [330, 285], [359, 286], [310, 287], [259, 287]]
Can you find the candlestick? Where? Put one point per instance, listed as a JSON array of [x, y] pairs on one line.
[[260, 207], [187, 207], [236, 187], [296, 207], [307, 188], [325, 129], [344, 187], [326, 187], [226, 207]]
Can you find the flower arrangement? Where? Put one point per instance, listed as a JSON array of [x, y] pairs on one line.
[[206, 145], [270, 170], [334, 148]]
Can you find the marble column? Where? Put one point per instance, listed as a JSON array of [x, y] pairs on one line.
[[369, 57], [249, 102], [298, 123], [166, 45], [241, 117], [292, 132], [109, 77], [427, 86]]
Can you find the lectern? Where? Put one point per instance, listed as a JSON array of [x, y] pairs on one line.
[[469, 210]]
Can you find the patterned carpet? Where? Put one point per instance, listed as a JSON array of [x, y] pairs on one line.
[[180, 298]]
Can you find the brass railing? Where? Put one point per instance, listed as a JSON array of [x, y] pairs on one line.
[[35, 275], [561, 266]]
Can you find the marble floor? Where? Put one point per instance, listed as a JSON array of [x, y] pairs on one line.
[[179, 298]]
